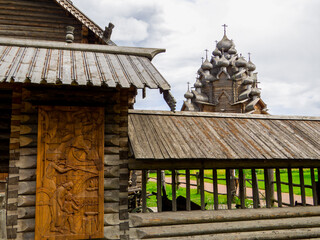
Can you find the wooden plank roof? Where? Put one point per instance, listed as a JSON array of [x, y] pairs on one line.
[[49, 62], [185, 135]]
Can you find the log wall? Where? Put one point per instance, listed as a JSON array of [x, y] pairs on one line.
[[23, 158], [41, 20]]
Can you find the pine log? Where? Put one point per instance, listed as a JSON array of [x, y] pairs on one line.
[[28, 151], [28, 129], [148, 219], [26, 225], [111, 207], [111, 219], [111, 160], [111, 196], [25, 236], [111, 171], [111, 232], [27, 162], [26, 200], [26, 212], [299, 233], [225, 227], [27, 188], [28, 140], [111, 183], [27, 175]]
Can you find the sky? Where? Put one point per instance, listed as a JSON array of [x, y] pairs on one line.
[[282, 36]]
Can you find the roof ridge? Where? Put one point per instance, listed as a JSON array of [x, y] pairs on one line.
[[223, 115], [80, 16]]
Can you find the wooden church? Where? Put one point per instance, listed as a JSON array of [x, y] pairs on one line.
[[226, 83]]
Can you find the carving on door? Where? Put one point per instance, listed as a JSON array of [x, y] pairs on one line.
[[70, 173]]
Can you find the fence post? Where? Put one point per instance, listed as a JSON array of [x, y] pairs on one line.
[[198, 182]]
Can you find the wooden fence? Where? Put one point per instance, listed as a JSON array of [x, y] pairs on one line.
[[271, 181]]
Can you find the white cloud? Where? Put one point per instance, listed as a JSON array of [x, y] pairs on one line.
[[281, 35]]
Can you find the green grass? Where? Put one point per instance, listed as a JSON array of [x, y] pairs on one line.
[[194, 197], [260, 176]]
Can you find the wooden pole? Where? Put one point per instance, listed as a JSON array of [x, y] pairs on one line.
[[278, 179], [290, 187], [242, 189], [255, 189], [144, 190], [159, 197], [215, 189], [174, 200], [229, 194], [314, 187], [188, 190], [302, 188], [202, 189]]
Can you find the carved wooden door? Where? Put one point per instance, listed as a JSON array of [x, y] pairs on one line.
[[69, 198]]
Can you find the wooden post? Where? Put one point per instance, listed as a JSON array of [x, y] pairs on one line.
[[271, 184], [173, 184], [159, 197], [188, 207], [144, 191], [177, 179], [314, 188], [202, 189], [302, 188], [215, 189], [267, 187], [255, 189], [290, 187], [198, 182], [229, 194], [242, 189], [278, 179]]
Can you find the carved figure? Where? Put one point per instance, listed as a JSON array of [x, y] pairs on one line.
[[70, 173]]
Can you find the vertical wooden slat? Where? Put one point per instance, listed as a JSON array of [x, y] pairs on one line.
[[188, 190], [267, 187], [255, 189], [159, 198], [278, 179], [174, 199], [201, 175], [144, 191], [242, 189], [314, 187], [290, 187], [228, 182], [302, 188], [215, 189]]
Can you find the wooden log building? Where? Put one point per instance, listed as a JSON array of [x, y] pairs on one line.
[[69, 137]]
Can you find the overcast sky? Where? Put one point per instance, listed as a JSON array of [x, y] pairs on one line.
[[282, 36]]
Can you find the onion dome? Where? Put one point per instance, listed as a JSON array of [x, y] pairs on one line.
[[255, 92], [251, 66], [247, 81], [206, 65], [232, 50], [223, 62], [216, 52], [241, 62], [197, 84], [188, 94], [225, 43]]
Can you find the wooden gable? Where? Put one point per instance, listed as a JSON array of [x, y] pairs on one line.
[[43, 20]]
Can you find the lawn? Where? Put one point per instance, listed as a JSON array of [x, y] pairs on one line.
[[260, 175]]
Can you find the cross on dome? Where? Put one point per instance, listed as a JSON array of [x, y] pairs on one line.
[[224, 28]]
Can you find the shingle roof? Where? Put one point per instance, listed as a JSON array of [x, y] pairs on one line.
[[186, 135], [45, 62]]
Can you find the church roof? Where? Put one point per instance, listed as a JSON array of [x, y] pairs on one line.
[[161, 135]]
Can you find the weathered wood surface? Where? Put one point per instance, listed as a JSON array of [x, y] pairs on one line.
[[181, 218], [299, 233], [70, 171], [225, 227], [37, 20], [222, 136]]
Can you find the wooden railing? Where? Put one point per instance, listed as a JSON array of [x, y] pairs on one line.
[[261, 196]]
